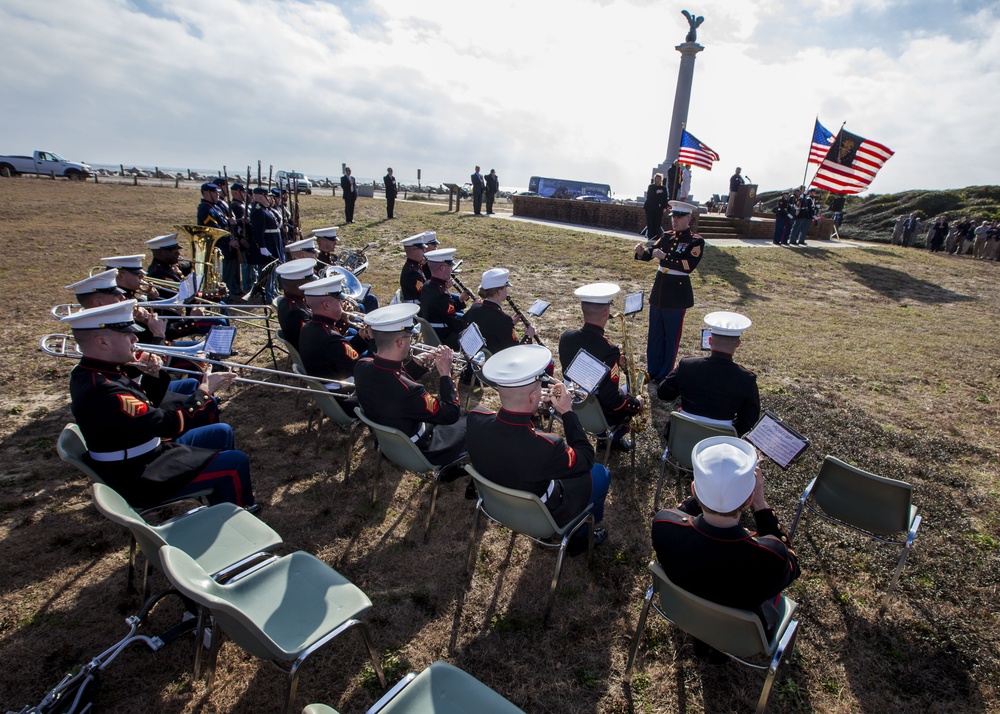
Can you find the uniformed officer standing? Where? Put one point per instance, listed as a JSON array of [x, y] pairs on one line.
[[679, 252], [804, 212], [265, 237], [391, 190], [444, 310], [215, 214], [241, 230], [657, 196], [507, 449], [116, 396], [704, 549], [714, 389], [413, 277], [783, 212], [293, 313], [391, 396], [496, 326], [618, 407]]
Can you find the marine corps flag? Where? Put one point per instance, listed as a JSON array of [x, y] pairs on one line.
[[850, 164]]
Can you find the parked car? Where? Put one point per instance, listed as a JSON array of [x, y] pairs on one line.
[[590, 198], [289, 179], [45, 163]]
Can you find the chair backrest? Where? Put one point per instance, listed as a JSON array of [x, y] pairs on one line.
[[443, 688], [71, 447], [591, 415], [327, 403], [292, 352], [738, 632], [873, 503], [397, 446], [192, 581], [116, 509], [520, 511], [428, 335], [685, 432]]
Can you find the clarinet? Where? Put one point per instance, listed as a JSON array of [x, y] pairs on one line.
[[517, 311]]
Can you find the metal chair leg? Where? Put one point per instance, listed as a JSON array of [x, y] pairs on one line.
[[378, 467], [899, 567], [786, 645], [130, 573], [659, 483], [434, 495], [555, 577], [472, 538], [638, 632]]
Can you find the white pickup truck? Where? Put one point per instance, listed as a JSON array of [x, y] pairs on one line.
[[45, 163]]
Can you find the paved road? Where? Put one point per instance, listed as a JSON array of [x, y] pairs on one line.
[[718, 242]]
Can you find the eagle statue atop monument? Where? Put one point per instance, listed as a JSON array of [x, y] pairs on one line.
[[695, 23]]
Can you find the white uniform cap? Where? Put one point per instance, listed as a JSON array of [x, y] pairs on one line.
[[723, 472], [331, 286], [431, 238], [167, 241], [305, 244], [296, 269], [441, 255], [117, 316], [517, 366], [495, 278], [418, 239], [682, 207], [600, 293], [393, 318], [730, 324], [330, 232], [105, 282], [125, 262]]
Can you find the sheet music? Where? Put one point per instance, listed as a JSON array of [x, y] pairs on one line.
[[188, 287], [220, 340], [634, 302], [586, 370], [706, 338], [538, 307], [472, 340], [778, 441]]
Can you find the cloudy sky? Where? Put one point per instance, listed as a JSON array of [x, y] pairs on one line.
[[579, 89]]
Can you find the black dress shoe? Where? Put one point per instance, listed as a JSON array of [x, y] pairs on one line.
[[623, 444], [255, 509], [578, 544], [452, 473]]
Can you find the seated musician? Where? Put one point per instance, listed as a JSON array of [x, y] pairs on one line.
[[506, 448], [390, 395], [715, 389], [444, 310], [166, 263], [129, 279], [618, 407], [413, 277], [148, 453], [326, 241], [305, 248], [704, 549], [327, 352], [293, 312], [496, 326]]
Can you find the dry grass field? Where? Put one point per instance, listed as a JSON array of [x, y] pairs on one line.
[[887, 358]]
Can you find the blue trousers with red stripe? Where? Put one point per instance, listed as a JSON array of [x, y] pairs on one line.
[[228, 474], [664, 336]]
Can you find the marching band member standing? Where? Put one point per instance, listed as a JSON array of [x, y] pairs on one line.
[[679, 252]]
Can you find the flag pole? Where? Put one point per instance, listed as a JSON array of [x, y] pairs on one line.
[[805, 171], [833, 144]]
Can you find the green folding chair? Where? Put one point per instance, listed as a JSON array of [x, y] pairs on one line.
[[524, 513], [684, 433], [330, 407], [282, 610], [428, 335], [593, 420], [219, 537], [736, 633], [400, 450], [872, 505]]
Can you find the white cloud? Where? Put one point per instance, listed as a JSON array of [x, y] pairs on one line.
[[580, 89]]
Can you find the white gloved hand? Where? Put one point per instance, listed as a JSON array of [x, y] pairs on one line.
[[265, 251]]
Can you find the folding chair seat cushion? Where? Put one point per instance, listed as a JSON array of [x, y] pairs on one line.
[[215, 537], [444, 689], [275, 612]]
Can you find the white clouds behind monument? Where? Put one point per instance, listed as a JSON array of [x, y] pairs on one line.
[[566, 88]]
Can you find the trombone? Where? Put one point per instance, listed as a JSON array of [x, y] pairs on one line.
[[60, 345]]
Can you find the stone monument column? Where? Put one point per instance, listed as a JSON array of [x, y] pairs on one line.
[[682, 100]]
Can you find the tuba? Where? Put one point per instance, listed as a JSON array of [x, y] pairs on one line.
[[206, 258], [635, 378]]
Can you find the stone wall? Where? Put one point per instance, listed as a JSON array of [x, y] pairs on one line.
[[614, 216]]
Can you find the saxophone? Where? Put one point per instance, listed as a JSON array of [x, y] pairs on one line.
[[635, 378]]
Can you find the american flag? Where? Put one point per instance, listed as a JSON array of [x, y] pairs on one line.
[[822, 138], [850, 164], [695, 153]]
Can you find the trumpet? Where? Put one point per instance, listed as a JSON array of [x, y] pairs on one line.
[[459, 360], [577, 392], [59, 345]]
